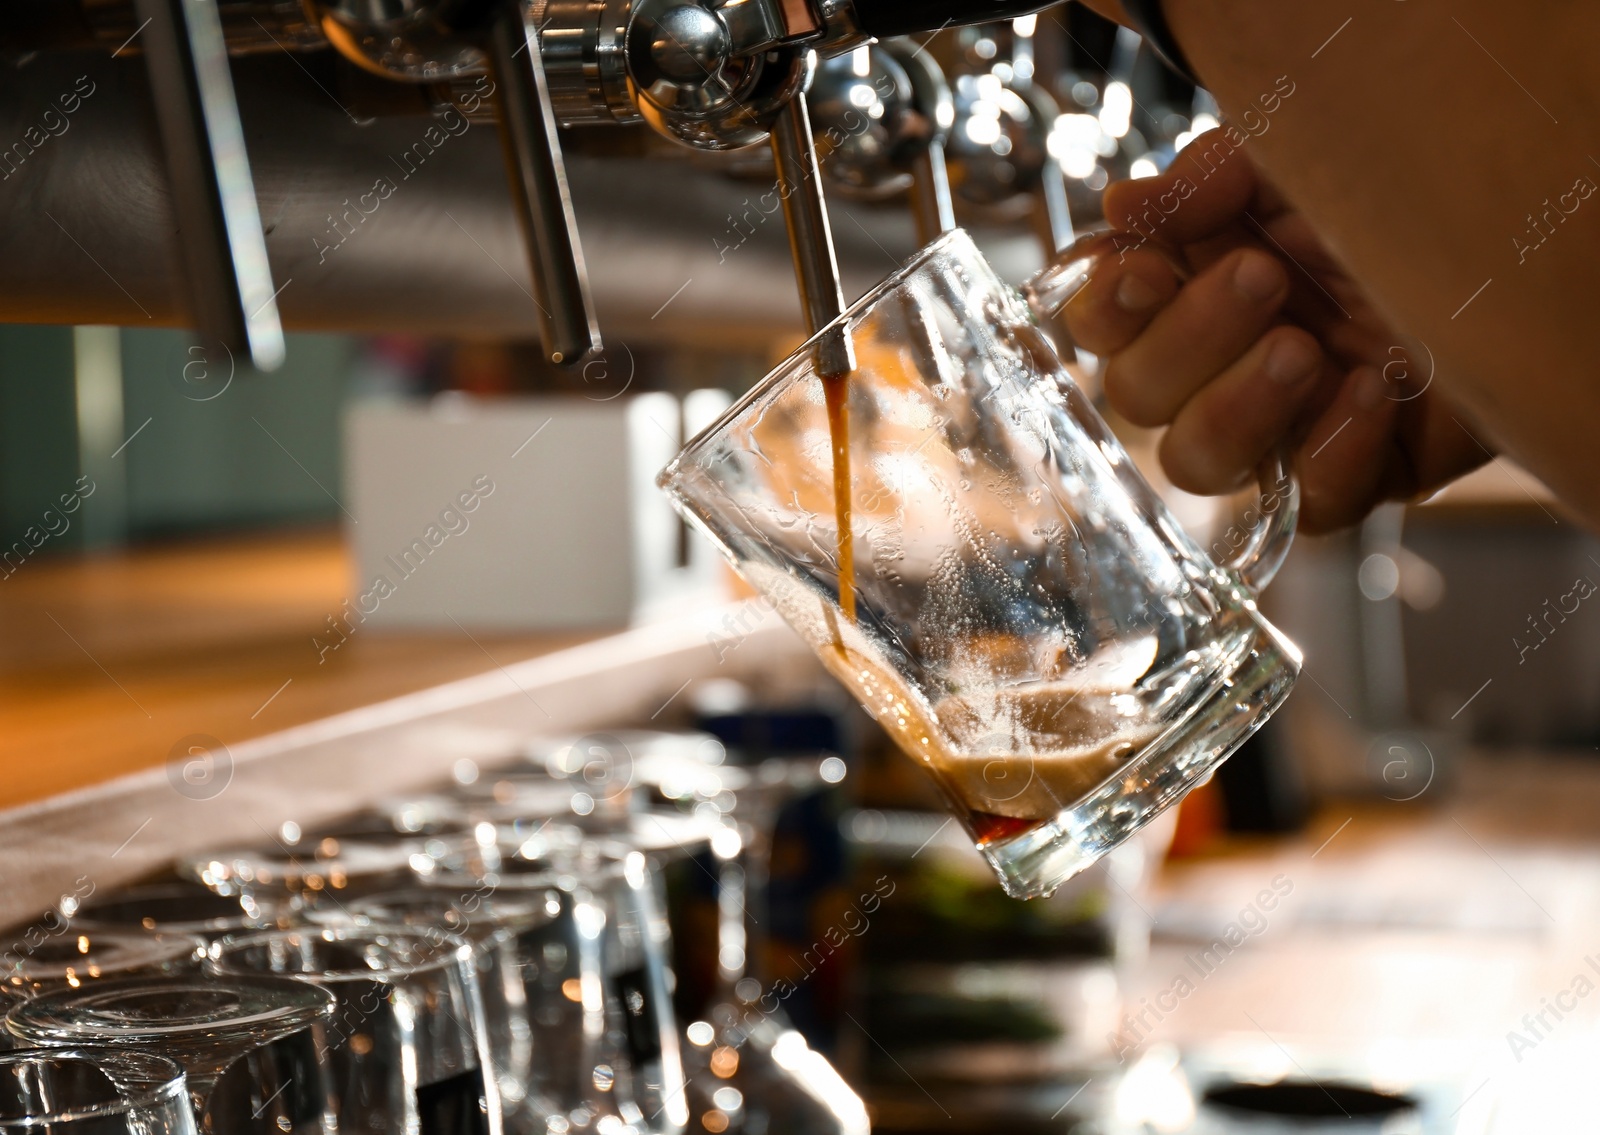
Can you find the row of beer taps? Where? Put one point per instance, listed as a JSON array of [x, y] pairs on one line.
[[853, 78]]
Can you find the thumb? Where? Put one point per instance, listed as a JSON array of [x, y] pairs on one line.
[[1205, 190]]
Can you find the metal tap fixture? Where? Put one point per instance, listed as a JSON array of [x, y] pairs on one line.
[[931, 203], [1001, 151], [231, 297], [432, 40], [710, 74], [884, 112]]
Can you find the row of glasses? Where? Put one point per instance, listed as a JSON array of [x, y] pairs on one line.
[[746, 1062], [480, 962], [595, 982], [675, 794], [311, 1030], [566, 936], [132, 1035], [279, 1027], [671, 796]]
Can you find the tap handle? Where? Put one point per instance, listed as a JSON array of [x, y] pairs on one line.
[[932, 207], [805, 212], [885, 18], [1052, 208], [539, 190], [224, 253]]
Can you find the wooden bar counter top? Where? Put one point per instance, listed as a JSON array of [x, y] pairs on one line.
[[109, 662]]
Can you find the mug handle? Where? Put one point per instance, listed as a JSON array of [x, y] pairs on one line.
[[1255, 550]]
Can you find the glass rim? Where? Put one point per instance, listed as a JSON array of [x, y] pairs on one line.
[[780, 372], [453, 950], [515, 910], [92, 915], [127, 948], [163, 1078], [288, 1001], [285, 871]]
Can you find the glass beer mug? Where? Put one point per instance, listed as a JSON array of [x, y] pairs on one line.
[[1024, 615]]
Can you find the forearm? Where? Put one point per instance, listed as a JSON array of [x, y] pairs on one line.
[[1420, 159]]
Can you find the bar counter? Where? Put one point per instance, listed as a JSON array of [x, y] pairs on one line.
[[109, 662]]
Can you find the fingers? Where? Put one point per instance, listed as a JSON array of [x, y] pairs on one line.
[[1207, 188], [1346, 454], [1120, 299], [1224, 432], [1210, 324]]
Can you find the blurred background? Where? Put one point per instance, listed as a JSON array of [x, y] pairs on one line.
[[1403, 866]]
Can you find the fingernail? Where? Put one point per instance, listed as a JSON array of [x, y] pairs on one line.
[[1257, 277], [1369, 388], [1134, 295], [1291, 360]]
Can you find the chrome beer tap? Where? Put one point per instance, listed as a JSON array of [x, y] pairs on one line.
[[1002, 156], [223, 250], [931, 203], [710, 74], [884, 113], [693, 58], [435, 40]]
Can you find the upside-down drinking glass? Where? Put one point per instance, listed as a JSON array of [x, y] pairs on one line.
[[597, 990], [92, 1091], [206, 1025], [493, 926], [1032, 625], [407, 1045]]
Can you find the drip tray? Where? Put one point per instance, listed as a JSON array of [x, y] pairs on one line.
[[1307, 1105], [1237, 1087]]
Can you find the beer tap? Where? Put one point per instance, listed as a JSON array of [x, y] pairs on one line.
[[730, 76], [931, 204], [1001, 147], [884, 112], [436, 40], [805, 211], [538, 175], [222, 247], [711, 74], [723, 74]]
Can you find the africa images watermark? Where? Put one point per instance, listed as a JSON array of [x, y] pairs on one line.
[[1545, 224], [1546, 622], [855, 922], [36, 935], [1272, 499], [199, 767], [52, 124], [452, 122], [54, 522], [744, 226], [452, 521], [1538, 1027], [737, 626], [1251, 922]]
